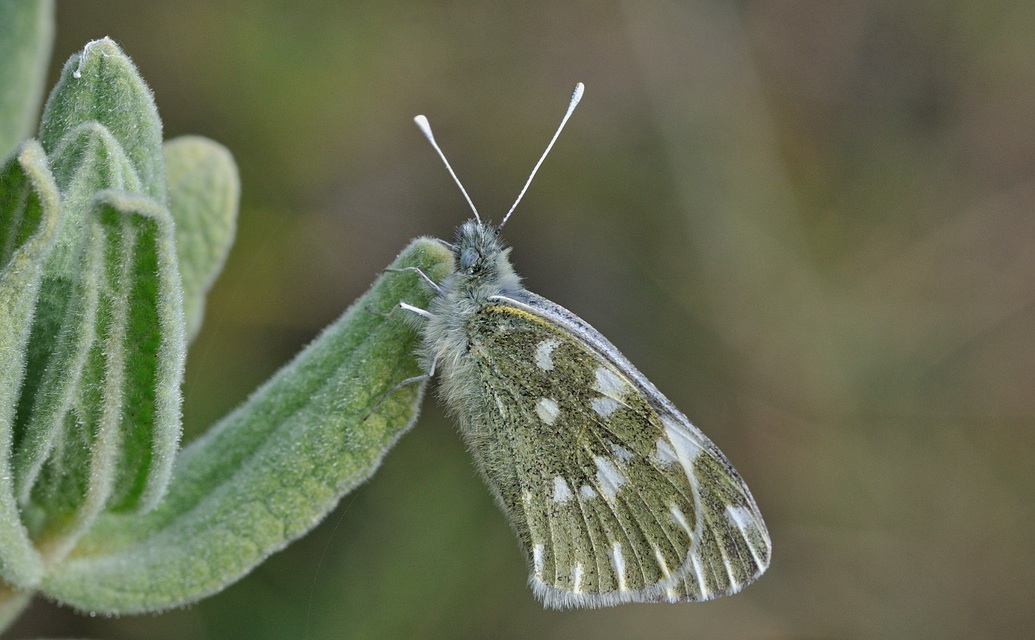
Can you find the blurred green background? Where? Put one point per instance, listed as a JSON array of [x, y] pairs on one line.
[[809, 223]]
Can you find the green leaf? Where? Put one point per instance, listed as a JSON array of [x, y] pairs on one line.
[[29, 215], [101, 130], [86, 158], [147, 323], [204, 190], [106, 422], [26, 36], [12, 603], [269, 471], [99, 414], [101, 85]]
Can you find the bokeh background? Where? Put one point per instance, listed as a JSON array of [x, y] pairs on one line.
[[809, 223]]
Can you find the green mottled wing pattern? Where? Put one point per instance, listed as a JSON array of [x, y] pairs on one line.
[[614, 495]]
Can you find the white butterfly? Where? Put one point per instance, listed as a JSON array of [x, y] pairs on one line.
[[615, 496]]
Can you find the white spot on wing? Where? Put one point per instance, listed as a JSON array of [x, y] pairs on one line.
[[537, 559], [548, 410], [686, 448], [609, 477], [561, 491], [604, 406], [666, 455], [609, 384], [740, 517], [576, 578], [683, 444], [587, 492], [734, 583], [619, 562], [744, 520], [661, 561], [699, 574], [623, 454], [544, 354], [680, 518]]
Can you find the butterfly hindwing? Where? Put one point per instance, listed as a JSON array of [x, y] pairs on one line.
[[614, 495]]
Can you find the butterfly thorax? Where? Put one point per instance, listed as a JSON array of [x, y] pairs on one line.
[[481, 270]]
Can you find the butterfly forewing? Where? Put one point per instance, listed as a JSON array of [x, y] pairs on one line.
[[614, 495]]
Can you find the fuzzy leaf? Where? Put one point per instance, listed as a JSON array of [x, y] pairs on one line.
[[101, 85], [106, 424], [98, 421], [26, 36], [101, 130], [86, 158], [147, 323], [273, 468], [204, 190], [12, 603], [29, 211]]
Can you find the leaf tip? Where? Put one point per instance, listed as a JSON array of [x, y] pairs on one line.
[[101, 47]]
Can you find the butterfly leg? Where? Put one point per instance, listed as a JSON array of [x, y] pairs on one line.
[[402, 305], [404, 383], [420, 312], [380, 314]]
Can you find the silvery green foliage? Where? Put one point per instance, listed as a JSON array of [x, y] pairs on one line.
[[109, 241], [26, 34]]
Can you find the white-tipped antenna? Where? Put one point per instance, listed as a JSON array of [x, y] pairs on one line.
[[576, 95], [425, 126]]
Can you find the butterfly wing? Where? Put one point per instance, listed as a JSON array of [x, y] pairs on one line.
[[614, 495]]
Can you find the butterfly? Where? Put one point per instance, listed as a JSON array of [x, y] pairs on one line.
[[614, 495]]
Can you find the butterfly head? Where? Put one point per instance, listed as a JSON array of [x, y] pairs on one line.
[[477, 247], [480, 256]]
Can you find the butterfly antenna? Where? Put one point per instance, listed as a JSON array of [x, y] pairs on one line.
[[576, 95], [425, 127]]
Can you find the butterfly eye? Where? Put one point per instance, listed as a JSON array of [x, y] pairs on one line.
[[468, 258]]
